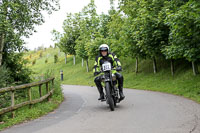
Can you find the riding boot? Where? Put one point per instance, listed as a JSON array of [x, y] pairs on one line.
[[121, 94], [120, 85], [97, 81], [100, 89]]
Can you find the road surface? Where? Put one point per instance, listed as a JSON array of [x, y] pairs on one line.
[[140, 112]]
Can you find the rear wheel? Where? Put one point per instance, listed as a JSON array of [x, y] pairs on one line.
[[109, 97]]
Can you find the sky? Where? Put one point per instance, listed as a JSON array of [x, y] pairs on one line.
[[43, 35]]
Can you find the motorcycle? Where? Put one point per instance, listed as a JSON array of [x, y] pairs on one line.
[[110, 85]]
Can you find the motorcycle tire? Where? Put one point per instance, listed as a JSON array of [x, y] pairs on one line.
[[109, 97]]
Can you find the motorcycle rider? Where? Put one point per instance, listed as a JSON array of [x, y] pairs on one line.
[[105, 55]]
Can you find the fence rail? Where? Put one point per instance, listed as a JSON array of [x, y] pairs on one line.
[[12, 89]]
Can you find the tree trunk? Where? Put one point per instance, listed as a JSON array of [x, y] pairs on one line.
[[172, 67], [136, 65], [1, 48], [195, 68], [87, 65], [74, 60], [154, 65], [2, 35], [82, 62], [65, 58]]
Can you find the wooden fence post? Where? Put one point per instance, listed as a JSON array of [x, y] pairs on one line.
[[47, 89], [30, 96], [13, 102], [40, 90], [30, 101]]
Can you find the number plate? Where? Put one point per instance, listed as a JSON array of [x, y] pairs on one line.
[[106, 66]]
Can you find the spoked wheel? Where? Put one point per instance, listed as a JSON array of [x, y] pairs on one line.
[[110, 99]]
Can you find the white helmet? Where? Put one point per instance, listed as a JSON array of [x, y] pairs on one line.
[[103, 47]]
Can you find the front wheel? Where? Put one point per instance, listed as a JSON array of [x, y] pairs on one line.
[[109, 96]]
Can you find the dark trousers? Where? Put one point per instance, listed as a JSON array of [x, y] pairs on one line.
[[120, 80]]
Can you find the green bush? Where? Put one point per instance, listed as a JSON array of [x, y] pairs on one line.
[[5, 76], [55, 58], [34, 61], [46, 61], [4, 80]]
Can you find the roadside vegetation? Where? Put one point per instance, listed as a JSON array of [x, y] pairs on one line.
[[25, 114], [157, 41], [17, 21], [183, 83]]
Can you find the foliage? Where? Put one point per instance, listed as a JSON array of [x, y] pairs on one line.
[[89, 25], [46, 61], [17, 20], [5, 76], [21, 16], [56, 37], [55, 58], [151, 33], [67, 41], [137, 28], [33, 62], [17, 67], [184, 32], [93, 46]]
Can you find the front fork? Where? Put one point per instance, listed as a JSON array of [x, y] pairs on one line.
[[114, 91]]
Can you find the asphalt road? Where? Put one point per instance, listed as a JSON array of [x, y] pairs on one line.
[[140, 112]]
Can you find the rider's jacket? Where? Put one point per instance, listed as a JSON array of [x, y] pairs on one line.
[[111, 57]]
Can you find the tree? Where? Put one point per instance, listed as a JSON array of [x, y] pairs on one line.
[[151, 33], [128, 36], [115, 26], [56, 38], [19, 18], [71, 33], [184, 36], [82, 40], [101, 36], [89, 30]]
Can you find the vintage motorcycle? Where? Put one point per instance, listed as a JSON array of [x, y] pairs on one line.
[[110, 85]]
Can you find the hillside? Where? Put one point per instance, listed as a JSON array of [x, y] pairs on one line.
[[183, 83]]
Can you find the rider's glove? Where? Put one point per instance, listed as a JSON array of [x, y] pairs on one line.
[[96, 73], [119, 68]]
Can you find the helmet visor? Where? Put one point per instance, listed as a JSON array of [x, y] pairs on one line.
[[103, 49]]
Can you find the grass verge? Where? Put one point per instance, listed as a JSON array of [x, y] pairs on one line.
[[25, 113]]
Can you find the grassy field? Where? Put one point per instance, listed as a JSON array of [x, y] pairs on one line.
[[183, 83]]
